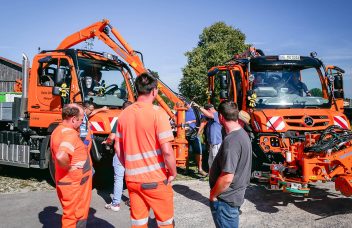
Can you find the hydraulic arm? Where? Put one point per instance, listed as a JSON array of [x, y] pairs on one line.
[[124, 50]]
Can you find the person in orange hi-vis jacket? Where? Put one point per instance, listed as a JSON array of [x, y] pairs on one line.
[[73, 172], [144, 149]]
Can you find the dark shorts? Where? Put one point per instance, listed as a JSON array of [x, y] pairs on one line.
[[195, 146]]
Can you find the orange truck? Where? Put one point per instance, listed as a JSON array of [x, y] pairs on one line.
[[66, 75], [299, 132]]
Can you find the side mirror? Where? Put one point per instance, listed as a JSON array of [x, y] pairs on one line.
[[59, 76], [224, 94], [339, 94], [223, 82], [338, 83], [56, 91]]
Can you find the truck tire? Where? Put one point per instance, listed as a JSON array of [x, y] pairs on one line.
[[51, 167]]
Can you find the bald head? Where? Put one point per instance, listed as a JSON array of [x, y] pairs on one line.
[[71, 110]]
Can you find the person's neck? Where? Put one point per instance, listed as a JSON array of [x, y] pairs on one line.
[[231, 126], [67, 123], [146, 99]]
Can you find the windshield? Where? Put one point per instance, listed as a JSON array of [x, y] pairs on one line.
[[102, 82], [294, 88]]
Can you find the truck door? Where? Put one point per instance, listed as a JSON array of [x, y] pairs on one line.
[[44, 107], [236, 88]]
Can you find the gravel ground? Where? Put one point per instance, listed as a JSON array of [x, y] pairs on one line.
[[20, 180], [15, 179], [324, 207]]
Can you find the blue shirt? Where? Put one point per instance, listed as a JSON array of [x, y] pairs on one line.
[[83, 129], [190, 116], [213, 130]]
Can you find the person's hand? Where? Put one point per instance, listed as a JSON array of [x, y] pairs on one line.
[[212, 198], [108, 141], [78, 165], [195, 104], [309, 94], [105, 108], [170, 179]]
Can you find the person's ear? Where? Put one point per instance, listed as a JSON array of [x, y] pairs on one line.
[[220, 117], [155, 92]]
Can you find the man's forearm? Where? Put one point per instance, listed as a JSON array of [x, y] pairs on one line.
[[169, 158], [63, 160], [222, 183], [206, 113], [119, 151]]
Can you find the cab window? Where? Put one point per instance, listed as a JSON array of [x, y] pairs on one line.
[[47, 72]]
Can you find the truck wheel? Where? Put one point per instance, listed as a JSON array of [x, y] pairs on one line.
[[51, 167]]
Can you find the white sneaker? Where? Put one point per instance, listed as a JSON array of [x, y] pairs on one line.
[[113, 207]]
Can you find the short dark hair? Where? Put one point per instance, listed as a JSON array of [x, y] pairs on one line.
[[229, 110], [87, 104], [71, 110], [145, 83], [126, 104], [208, 106]]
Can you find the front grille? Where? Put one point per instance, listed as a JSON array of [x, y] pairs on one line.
[[298, 121]]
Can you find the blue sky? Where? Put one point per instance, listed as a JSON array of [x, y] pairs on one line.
[[164, 30]]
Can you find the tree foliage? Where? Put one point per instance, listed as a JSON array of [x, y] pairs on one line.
[[316, 92], [217, 44]]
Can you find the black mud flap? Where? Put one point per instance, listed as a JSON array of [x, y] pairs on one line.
[[96, 156]]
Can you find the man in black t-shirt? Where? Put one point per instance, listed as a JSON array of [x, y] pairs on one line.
[[231, 170]]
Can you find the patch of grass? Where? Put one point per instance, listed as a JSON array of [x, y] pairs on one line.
[[190, 174]]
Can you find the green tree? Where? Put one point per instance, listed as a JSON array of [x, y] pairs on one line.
[[154, 73], [217, 44], [316, 92]]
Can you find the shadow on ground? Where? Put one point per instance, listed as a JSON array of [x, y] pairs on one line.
[[50, 218], [320, 201], [190, 194]]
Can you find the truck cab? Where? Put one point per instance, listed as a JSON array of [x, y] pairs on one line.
[[56, 78], [62, 77], [292, 100]]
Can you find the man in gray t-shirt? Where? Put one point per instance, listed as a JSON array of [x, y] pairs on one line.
[[231, 170]]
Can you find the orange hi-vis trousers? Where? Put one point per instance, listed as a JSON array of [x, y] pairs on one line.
[[158, 196], [75, 193]]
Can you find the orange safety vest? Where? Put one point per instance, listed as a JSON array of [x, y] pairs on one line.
[[67, 139], [141, 129]]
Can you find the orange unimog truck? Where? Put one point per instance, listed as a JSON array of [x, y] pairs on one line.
[[66, 75], [299, 132]]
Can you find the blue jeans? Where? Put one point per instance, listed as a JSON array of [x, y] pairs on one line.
[[119, 172], [224, 215]]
